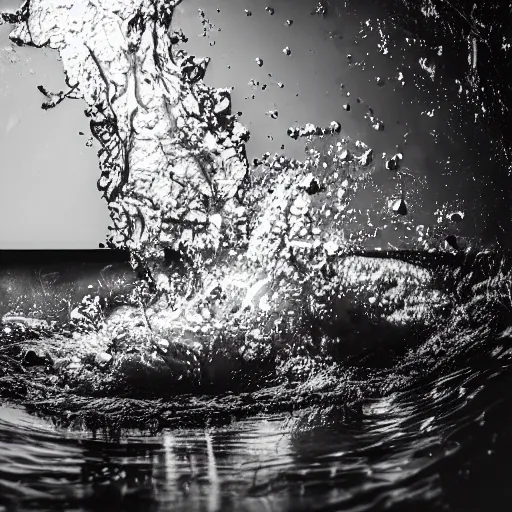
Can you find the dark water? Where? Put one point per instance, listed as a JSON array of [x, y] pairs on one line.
[[431, 433], [445, 444]]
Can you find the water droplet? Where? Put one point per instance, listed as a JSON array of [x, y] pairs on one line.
[[379, 80], [335, 127], [320, 9], [273, 114], [455, 216], [259, 61], [247, 12], [270, 10], [393, 164], [289, 23], [280, 85], [399, 207], [293, 132], [346, 107], [287, 51]]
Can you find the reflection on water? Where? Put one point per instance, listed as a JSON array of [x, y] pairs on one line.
[[414, 449]]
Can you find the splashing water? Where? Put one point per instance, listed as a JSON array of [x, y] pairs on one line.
[[255, 292]]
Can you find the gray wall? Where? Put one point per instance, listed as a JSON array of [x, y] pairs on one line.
[[48, 194]]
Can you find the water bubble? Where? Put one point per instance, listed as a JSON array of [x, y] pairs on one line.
[[287, 51], [379, 80], [259, 61]]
